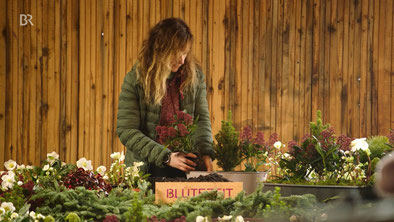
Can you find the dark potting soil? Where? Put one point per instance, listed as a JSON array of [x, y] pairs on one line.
[[213, 177]]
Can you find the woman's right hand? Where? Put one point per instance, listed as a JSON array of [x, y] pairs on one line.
[[178, 160]]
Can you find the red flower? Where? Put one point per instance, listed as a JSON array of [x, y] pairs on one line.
[[247, 134], [188, 119], [162, 132], [182, 129], [291, 146], [180, 115], [111, 218], [344, 142], [259, 140], [273, 138], [172, 132]]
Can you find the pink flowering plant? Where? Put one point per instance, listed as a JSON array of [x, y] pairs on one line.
[[323, 157], [319, 152], [255, 151], [178, 136]]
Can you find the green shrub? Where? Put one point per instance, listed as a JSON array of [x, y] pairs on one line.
[[378, 145], [227, 149]]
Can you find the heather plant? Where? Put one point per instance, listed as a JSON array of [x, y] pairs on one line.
[[322, 157], [257, 152], [317, 154], [227, 149], [179, 135]]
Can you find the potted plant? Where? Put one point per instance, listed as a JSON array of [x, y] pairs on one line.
[[326, 165], [232, 149], [178, 136]]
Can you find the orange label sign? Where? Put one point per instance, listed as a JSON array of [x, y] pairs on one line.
[[169, 192]]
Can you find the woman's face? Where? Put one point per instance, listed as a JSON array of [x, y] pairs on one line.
[[178, 59]]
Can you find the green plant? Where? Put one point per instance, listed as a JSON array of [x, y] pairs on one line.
[[72, 217], [253, 150], [227, 149], [135, 213], [257, 152], [317, 154], [378, 145]]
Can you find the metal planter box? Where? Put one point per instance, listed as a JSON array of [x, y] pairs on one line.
[[322, 192]]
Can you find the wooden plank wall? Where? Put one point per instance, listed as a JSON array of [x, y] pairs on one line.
[[274, 63]]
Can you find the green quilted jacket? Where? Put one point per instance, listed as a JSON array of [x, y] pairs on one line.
[[136, 122]]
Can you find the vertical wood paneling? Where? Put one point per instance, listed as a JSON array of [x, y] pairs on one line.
[[4, 46], [385, 60], [268, 121], [31, 145], [272, 63]]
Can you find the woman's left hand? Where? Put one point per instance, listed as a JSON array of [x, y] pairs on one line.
[[208, 162]]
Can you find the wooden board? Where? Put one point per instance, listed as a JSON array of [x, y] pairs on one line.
[[169, 192]]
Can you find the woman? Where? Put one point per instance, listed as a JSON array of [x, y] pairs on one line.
[[164, 80]]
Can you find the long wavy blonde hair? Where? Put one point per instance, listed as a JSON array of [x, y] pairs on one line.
[[166, 40]]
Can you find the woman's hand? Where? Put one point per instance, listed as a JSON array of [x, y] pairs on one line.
[[178, 160], [208, 162]]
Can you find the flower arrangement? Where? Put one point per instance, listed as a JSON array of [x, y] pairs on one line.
[[322, 157], [257, 152], [178, 136], [23, 187]]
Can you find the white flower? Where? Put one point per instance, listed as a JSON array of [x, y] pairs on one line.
[[138, 164], [8, 206], [29, 167], [21, 167], [10, 165], [63, 164], [40, 216], [118, 156], [105, 177], [8, 180], [201, 219], [101, 170], [52, 157], [239, 219], [33, 214], [46, 167], [278, 145], [14, 215], [225, 218], [359, 144], [85, 164], [20, 183], [2, 211], [287, 156]]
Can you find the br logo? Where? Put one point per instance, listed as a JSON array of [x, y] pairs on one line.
[[25, 19]]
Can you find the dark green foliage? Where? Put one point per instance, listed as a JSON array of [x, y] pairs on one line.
[[135, 214], [14, 195], [227, 149], [88, 204]]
